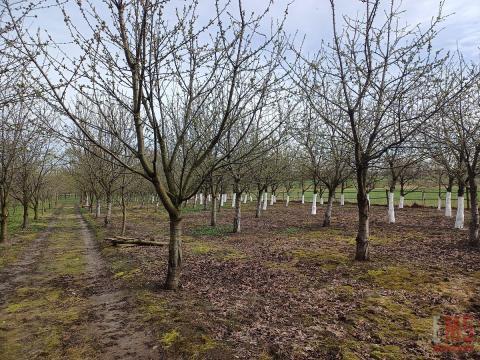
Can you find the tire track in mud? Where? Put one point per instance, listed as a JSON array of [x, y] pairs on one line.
[[17, 273], [114, 322]]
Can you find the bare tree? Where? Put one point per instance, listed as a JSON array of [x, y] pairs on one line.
[[377, 73], [180, 84]]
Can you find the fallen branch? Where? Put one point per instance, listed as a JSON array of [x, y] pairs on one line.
[[117, 240]]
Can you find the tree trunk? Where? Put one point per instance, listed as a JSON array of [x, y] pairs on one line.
[[448, 198], [259, 203], [474, 226], [238, 215], [97, 210], [124, 213], [3, 222], [35, 210], [213, 211], [460, 215], [328, 211], [25, 215], [362, 251], [108, 214], [314, 204], [174, 254], [391, 207]]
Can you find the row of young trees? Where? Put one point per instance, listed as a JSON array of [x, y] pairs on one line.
[[195, 105], [27, 153]]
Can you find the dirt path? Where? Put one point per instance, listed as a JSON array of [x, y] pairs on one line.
[[59, 302], [117, 327], [12, 276]]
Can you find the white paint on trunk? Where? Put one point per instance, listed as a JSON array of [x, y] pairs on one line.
[[303, 198], [448, 204], [209, 197], [391, 208], [460, 218], [245, 198], [87, 201], [234, 198], [439, 203], [265, 201], [401, 202], [196, 199], [222, 199], [287, 200], [98, 209], [314, 204], [109, 210], [272, 199], [342, 199], [321, 200], [201, 199]]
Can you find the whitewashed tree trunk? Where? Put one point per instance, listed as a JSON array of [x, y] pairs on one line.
[[195, 200], [303, 198], [314, 204], [265, 200], [97, 210], [368, 199], [287, 200], [274, 199], [87, 201], [448, 204], [321, 200], [460, 218], [391, 208], [251, 199], [234, 198], [245, 198], [401, 202], [342, 199], [201, 199], [439, 203], [222, 199], [209, 198]]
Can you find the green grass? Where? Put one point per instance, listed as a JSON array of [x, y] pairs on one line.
[[207, 230]]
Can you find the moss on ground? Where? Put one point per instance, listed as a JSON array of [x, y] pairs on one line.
[[206, 230], [176, 334], [400, 278], [37, 319], [221, 252], [326, 259]]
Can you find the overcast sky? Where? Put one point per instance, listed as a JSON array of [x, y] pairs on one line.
[[462, 27], [312, 18]]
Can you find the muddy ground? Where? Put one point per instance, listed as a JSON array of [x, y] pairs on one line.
[[284, 288]]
